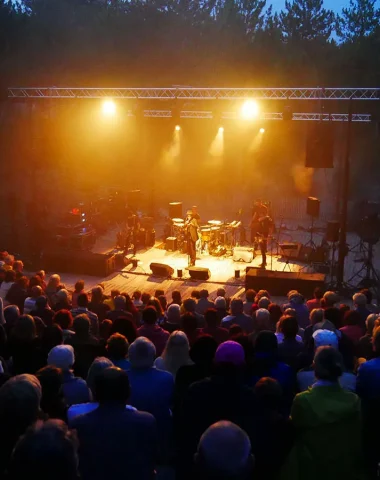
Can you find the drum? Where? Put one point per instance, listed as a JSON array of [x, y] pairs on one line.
[[215, 233], [215, 223], [206, 234]]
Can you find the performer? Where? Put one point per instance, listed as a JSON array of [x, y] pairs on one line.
[[132, 229], [261, 226], [195, 213], [259, 211], [191, 227]]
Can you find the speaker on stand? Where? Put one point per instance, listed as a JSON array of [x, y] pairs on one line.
[[175, 210]]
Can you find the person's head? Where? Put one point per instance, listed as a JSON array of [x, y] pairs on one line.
[[158, 292], [230, 353], [318, 293], [79, 286], [264, 302], [221, 292], [262, 319], [62, 356], [11, 314], [268, 394], [136, 295], [195, 294], [149, 315], [325, 338], [125, 326], [23, 282], [289, 327], [82, 300], [176, 352], [236, 306], [18, 266], [10, 276], [359, 299], [224, 451], [112, 387], [117, 346], [352, 317], [220, 303], [119, 302], [81, 325], [48, 450], [203, 293], [203, 350], [97, 294], [36, 291], [173, 313], [41, 302], [9, 260], [275, 312], [156, 304], [189, 323], [368, 295], [163, 302], [64, 319], [317, 315], [211, 318], [52, 336], [250, 295], [142, 353], [328, 364], [260, 294], [54, 281], [50, 378], [97, 366], [105, 329], [332, 314], [266, 343], [176, 297], [330, 299], [189, 305], [234, 330], [41, 274], [376, 341], [24, 329], [35, 281], [145, 298], [371, 322], [63, 296]]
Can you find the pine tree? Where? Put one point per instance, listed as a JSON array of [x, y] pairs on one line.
[[357, 21]]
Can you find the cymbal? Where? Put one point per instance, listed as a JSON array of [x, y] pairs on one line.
[[214, 222], [215, 229], [178, 220]]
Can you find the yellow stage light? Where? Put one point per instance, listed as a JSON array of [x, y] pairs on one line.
[[249, 110], [221, 130], [177, 128], [262, 130], [109, 108]]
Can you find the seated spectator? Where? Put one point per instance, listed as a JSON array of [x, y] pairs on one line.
[[175, 354], [20, 399], [163, 303], [83, 309], [189, 306], [234, 331], [189, 327], [224, 452], [261, 321], [53, 402], [18, 267], [117, 351], [119, 309], [249, 301], [48, 450], [203, 303], [260, 294], [306, 377], [172, 318], [64, 319], [30, 302], [329, 300], [221, 308], [316, 323], [62, 300], [370, 306], [9, 280], [114, 439], [264, 302], [316, 301], [86, 346], [360, 306], [158, 292], [97, 304], [43, 311], [212, 326], [326, 412], [97, 366], [155, 303], [290, 346], [157, 335], [74, 388], [125, 326], [275, 312], [78, 289], [11, 314], [176, 298], [352, 326], [145, 299], [34, 281], [105, 329], [136, 298], [364, 347], [110, 301], [195, 295], [54, 284], [151, 389], [50, 338], [221, 292], [42, 275], [18, 293], [279, 333], [297, 302], [238, 317], [368, 380]]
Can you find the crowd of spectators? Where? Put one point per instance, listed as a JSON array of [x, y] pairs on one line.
[[214, 388]]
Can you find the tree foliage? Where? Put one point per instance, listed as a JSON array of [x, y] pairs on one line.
[[359, 20]]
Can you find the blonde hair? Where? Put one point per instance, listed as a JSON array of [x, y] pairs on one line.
[[176, 352], [54, 280]]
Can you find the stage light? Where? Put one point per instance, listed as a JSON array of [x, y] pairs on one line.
[[262, 130], [177, 128], [249, 110], [109, 108], [221, 130]]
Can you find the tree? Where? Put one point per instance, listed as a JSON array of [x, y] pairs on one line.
[[306, 20], [359, 20]]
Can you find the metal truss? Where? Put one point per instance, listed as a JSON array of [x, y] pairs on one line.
[[190, 93]]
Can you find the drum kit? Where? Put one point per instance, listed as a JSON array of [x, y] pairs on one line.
[[215, 238]]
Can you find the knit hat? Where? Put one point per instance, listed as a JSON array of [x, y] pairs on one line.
[[220, 302], [61, 356], [230, 352], [325, 338]]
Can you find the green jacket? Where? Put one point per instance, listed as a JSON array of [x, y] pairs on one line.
[[328, 436]]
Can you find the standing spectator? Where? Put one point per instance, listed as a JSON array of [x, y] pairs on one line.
[[11, 314], [172, 319], [74, 389], [203, 302], [83, 308], [360, 306], [175, 354], [43, 311], [110, 301], [114, 439], [352, 326], [238, 317], [117, 350], [163, 303], [365, 347], [18, 293], [326, 413], [157, 335], [212, 326], [297, 302], [189, 306], [316, 301], [34, 281], [264, 302], [249, 301], [275, 312], [96, 305], [62, 300], [30, 302], [64, 319], [156, 304], [9, 280], [53, 401], [221, 292], [78, 289]]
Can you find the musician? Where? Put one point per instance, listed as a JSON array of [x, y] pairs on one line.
[[195, 213], [191, 226], [261, 226], [132, 229]]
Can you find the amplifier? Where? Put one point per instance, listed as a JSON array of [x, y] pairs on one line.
[[290, 249], [242, 254], [171, 244]]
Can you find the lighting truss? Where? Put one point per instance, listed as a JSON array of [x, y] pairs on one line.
[[190, 93]]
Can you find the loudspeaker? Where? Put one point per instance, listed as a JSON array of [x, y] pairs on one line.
[[290, 249], [161, 270], [312, 207], [242, 254], [175, 210], [171, 244], [199, 273], [332, 231], [320, 145], [134, 200], [85, 263]]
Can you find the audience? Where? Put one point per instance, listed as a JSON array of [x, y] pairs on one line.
[[78, 289], [189, 307], [172, 320], [315, 302], [364, 347], [117, 350], [175, 354], [53, 402], [43, 311], [83, 309], [238, 317], [203, 303], [352, 325], [156, 334], [212, 327]]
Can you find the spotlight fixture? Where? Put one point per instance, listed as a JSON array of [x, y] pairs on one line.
[[262, 130], [221, 129], [249, 110], [177, 128], [109, 108]]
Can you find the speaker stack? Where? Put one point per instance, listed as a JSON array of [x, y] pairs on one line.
[[175, 210]]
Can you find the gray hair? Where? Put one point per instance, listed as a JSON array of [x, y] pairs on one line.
[[97, 366], [359, 299], [370, 321], [317, 315], [142, 353], [330, 298], [119, 302], [173, 312], [21, 396], [264, 302]]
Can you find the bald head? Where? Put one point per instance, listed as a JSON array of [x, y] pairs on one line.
[[224, 449]]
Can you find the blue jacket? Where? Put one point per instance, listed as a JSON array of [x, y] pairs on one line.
[[75, 389], [116, 443], [368, 380]]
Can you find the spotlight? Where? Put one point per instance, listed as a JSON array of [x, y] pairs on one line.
[[249, 110], [109, 108], [262, 130], [177, 128], [221, 129]]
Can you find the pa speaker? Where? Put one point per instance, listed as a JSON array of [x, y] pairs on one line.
[[332, 231], [199, 273], [312, 207], [85, 263], [320, 145], [161, 270], [175, 210]]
